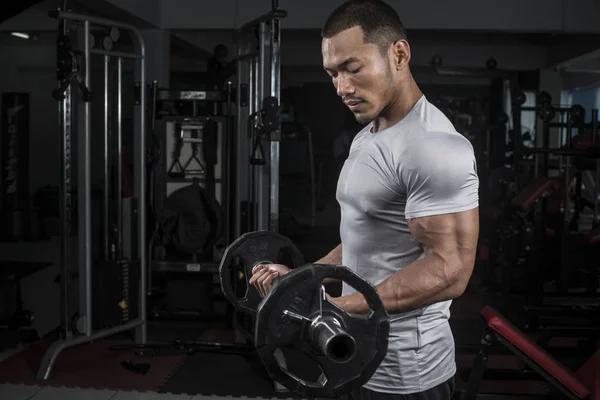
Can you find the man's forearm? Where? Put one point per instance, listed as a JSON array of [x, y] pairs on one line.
[[424, 282], [333, 257]]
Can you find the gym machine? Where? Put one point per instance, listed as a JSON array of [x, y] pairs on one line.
[[253, 147], [541, 238], [573, 300], [543, 198], [258, 124], [193, 146], [566, 196], [122, 256], [190, 188]]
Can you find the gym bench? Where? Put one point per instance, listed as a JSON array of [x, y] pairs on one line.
[[583, 384]]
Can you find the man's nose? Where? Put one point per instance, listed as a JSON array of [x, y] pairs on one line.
[[344, 88]]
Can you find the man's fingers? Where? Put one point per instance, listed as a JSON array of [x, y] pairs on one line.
[[254, 277], [257, 275], [269, 281], [260, 283], [263, 283], [258, 268], [262, 278]]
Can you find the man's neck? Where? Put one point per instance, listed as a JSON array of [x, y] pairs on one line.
[[400, 107]]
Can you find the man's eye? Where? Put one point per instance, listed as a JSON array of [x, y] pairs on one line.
[[354, 71]]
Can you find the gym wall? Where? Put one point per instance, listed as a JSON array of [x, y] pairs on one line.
[[465, 15], [301, 53]]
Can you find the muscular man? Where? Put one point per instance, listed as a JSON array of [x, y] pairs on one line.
[[408, 194]]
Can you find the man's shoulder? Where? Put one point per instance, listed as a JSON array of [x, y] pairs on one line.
[[433, 121], [435, 149]]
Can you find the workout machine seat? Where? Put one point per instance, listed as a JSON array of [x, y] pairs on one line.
[[533, 192], [584, 384], [593, 237]]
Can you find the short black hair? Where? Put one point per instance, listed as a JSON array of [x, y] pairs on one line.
[[378, 20]]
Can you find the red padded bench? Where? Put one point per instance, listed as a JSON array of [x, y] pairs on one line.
[[583, 384], [533, 192]]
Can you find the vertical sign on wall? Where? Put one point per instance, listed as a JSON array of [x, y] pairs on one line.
[[15, 151]]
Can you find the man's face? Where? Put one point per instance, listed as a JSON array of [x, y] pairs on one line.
[[361, 75]]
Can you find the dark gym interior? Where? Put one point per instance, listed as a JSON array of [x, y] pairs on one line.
[[154, 151]]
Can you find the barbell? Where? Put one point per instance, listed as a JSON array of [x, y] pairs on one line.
[[296, 318]]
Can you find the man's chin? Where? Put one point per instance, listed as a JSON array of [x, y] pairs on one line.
[[362, 119]]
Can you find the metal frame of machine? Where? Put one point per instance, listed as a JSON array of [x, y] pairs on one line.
[[259, 76], [69, 111]]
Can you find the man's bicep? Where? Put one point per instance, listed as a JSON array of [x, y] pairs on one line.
[[440, 230]]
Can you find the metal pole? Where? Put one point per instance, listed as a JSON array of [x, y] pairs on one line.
[[240, 150], [252, 89], [597, 172], [141, 193], [65, 208], [152, 188], [563, 281], [567, 162], [517, 138], [275, 144], [153, 105], [64, 111], [261, 63], [106, 204], [84, 206], [313, 185], [57, 347], [115, 54], [119, 191], [226, 199], [262, 174], [546, 144], [65, 205]]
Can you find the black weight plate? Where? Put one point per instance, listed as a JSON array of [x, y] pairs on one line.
[[299, 292], [246, 251]]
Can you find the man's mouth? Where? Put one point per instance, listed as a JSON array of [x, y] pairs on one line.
[[353, 104]]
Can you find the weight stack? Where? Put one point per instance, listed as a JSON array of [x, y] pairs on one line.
[[115, 293]]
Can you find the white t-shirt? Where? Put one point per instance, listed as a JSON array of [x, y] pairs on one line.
[[419, 167]]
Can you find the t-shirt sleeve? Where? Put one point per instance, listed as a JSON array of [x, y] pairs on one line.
[[439, 175]]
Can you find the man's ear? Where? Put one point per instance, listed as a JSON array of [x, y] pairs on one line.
[[401, 53]]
